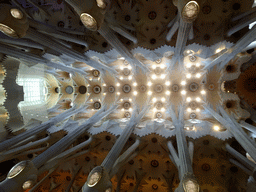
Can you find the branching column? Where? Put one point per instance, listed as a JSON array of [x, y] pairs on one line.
[[182, 160], [99, 177], [237, 131], [38, 129]]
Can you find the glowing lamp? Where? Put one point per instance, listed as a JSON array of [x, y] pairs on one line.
[[13, 22], [216, 128], [183, 82], [88, 21], [190, 11], [101, 4], [16, 13], [190, 184], [16, 169], [189, 76], [189, 99], [95, 176], [27, 184], [167, 83]]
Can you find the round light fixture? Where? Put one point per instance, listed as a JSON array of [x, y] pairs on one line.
[[7, 30], [88, 21], [101, 4], [16, 169], [28, 184], [95, 176], [190, 11], [16, 13]]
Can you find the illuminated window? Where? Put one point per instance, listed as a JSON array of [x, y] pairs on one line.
[[34, 90]]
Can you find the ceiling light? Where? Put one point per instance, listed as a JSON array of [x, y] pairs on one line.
[[216, 128], [203, 92], [167, 83], [198, 65], [183, 92], [189, 109], [104, 85], [163, 99], [162, 109], [130, 109], [198, 99], [101, 4], [183, 82], [162, 66], [167, 92], [154, 66], [188, 65], [190, 11], [154, 110], [154, 100], [121, 78], [16, 13], [122, 68], [130, 67], [189, 76], [189, 99], [118, 84], [154, 76], [162, 76], [135, 93], [89, 22], [150, 93], [135, 84], [149, 83], [198, 75], [121, 100], [130, 77], [118, 93], [130, 100], [198, 110], [122, 109]]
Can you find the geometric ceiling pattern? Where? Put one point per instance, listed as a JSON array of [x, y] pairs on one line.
[[127, 95]]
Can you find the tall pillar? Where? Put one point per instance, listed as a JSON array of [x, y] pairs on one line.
[[24, 174], [99, 178], [230, 123], [182, 160], [39, 128], [187, 13]]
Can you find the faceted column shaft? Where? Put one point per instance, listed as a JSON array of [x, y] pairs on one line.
[[38, 129], [66, 141], [7, 155], [121, 159], [246, 170], [235, 129], [183, 33], [8, 50], [49, 42], [229, 54], [109, 35], [250, 165], [184, 156], [119, 144], [248, 126]]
